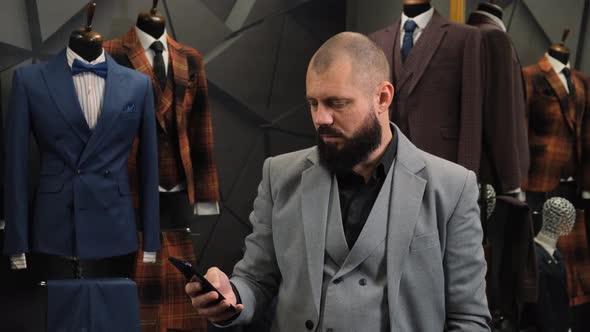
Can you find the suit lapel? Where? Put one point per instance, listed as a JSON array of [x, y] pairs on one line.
[[111, 107], [181, 76], [404, 208], [420, 55], [316, 189], [375, 229], [58, 78], [557, 86], [137, 58], [336, 245]]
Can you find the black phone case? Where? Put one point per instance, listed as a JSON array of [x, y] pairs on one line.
[[188, 271]]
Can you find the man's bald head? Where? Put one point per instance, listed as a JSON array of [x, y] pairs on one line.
[[369, 64]]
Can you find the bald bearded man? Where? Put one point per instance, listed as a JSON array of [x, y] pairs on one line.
[[363, 232]]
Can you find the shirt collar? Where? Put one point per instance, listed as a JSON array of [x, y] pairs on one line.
[[71, 56], [147, 40], [556, 64], [421, 20], [493, 18]]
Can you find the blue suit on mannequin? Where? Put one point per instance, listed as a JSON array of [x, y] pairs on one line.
[[83, 205]]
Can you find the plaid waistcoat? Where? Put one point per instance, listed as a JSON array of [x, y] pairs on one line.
[[557, 138], [191, 112]]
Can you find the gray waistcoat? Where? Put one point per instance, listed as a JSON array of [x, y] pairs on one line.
[[354, 296]]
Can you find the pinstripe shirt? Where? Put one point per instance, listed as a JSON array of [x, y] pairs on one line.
[[89, 88]]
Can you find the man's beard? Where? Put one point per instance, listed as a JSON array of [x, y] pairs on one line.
[[353, 150]]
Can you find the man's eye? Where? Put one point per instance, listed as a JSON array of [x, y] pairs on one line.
[[339, 105]]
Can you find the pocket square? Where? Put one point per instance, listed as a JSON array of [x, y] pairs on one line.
[[129, 109]]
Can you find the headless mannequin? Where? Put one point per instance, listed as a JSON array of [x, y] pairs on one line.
[[491, 8], [413, 8], [151, 23], [85, 42]]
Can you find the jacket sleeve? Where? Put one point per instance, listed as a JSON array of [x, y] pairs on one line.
[[16, 188], [150, 201], [465, 265], [256, 277], [469, 152]]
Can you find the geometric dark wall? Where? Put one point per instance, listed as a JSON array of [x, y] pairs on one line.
[[256, 54]]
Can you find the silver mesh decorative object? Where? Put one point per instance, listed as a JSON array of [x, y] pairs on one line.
[[490, 200], [559, 216]]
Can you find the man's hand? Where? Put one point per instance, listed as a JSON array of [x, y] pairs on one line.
[[204, 302]]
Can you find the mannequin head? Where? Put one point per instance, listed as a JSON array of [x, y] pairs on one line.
[[559, 216], [415, 2], [413, 8], [151, 22], [560, 51], [86, 42], [491, 8]]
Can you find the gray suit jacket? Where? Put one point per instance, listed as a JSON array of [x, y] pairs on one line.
[[435, 261]]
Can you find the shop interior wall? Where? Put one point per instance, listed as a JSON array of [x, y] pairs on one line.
[[533, 24], [256, 54]]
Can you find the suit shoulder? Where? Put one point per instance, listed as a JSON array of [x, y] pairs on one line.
[[383, 32], [30, 73], [292, 160], [443, 176], [113, 46]]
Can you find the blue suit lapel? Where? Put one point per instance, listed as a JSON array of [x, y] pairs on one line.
[[111, 107], [58, 78]]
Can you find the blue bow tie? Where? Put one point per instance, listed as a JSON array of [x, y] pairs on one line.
[[99, 69]]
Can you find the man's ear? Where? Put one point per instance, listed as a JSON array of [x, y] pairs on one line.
[[385, 96]]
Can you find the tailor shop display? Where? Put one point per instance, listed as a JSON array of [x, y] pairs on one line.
[[187, 172], [437, 75]]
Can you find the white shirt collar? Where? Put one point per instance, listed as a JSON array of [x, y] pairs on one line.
[[421, 20], [147, 40], [556, 64], [71, 56], [493, 17]]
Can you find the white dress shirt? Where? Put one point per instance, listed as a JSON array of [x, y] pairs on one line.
[[147, 40], [558, 67], [89, 88], [421, 20]]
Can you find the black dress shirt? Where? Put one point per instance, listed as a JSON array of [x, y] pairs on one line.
[[357, 196]]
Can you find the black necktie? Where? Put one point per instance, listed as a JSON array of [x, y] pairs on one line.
[[568, 78], [159, 68]]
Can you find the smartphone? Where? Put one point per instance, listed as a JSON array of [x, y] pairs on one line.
[[189, 272]]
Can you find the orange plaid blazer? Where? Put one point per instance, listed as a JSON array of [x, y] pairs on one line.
[[193, 117], [558, 127]]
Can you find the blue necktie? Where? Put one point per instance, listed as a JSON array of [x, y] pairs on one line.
[[99, 69], [408, 40]]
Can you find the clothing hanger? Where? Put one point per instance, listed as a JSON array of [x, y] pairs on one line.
[[413, 8], [560, 51], [86, 42], [151, 22]]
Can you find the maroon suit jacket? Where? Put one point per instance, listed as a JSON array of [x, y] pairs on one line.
[[438, 93], [557, 127], [505, 159]]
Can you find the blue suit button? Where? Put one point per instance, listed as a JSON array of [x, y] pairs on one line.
[[107, 172], [78, 171]]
